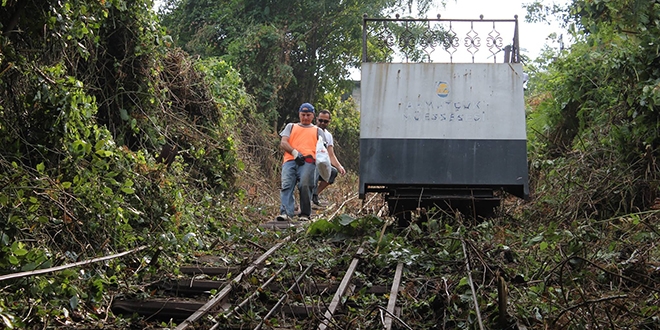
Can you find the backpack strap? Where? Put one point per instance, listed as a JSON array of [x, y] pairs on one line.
[[322, 135]]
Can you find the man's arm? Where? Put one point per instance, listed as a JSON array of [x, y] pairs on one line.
[[284, 142], [285, 146], [334, 161]]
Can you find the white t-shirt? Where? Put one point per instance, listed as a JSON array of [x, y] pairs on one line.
[[328, 138]]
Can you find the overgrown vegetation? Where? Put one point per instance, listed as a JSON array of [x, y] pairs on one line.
[[114, 140], [593, 274], [595, 111], [111, 140]]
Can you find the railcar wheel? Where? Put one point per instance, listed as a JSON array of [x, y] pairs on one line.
[[474, 210], [400, 211]]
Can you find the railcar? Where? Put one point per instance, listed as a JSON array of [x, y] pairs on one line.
[[442, 133]]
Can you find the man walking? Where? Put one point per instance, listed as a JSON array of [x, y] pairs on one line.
[[322, 122], [299, 165]]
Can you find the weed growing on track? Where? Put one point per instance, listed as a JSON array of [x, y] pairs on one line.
[[560, 275]]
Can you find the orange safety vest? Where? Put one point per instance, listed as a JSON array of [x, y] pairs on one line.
[[302, 139]]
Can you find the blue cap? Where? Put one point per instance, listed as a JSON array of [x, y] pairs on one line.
[[306, 107]]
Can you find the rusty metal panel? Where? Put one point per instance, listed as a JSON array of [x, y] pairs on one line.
[[482, 101]]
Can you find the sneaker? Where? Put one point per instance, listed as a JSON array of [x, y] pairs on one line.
[[318, 203], [303, 218], [316, 206], [282, 217]]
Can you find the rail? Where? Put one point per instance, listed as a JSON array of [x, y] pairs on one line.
[[438, 40]]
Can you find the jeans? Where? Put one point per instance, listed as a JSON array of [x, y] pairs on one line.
[[304, 176]]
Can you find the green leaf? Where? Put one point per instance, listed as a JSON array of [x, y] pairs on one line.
[[464, 281], [536, 239], [128, 190], [345, 219], [104, 153], [124, 114], [41, 167], [28, 267], [13, 260], [320, 227], [635, 219], [73, 302]]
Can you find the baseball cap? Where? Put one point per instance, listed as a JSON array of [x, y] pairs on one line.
[[306, 107]]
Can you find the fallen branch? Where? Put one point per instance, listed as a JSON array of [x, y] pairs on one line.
[[76, 264], [585, 303], [342, 205], [364, 205], [474, 293]]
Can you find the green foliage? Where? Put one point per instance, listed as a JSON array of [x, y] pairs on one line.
[[226, 86], [260, 55], [8, 319], [287, 52], [345, 129], [593, 119], [344, 225], [599, 100], [90, 94]]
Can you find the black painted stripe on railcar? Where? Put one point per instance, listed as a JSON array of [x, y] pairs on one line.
[[444, 162]]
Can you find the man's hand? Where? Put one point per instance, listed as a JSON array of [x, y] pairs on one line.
[[341, 170], [298, 157]]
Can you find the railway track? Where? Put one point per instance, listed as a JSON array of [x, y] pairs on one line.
[[271, 291], [287, 279]]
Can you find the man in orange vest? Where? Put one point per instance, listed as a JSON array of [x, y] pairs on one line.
[[299, 164]]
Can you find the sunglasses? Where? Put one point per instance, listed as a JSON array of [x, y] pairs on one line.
[[323, 121]]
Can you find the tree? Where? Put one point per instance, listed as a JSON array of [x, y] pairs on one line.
[[287, 51]]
